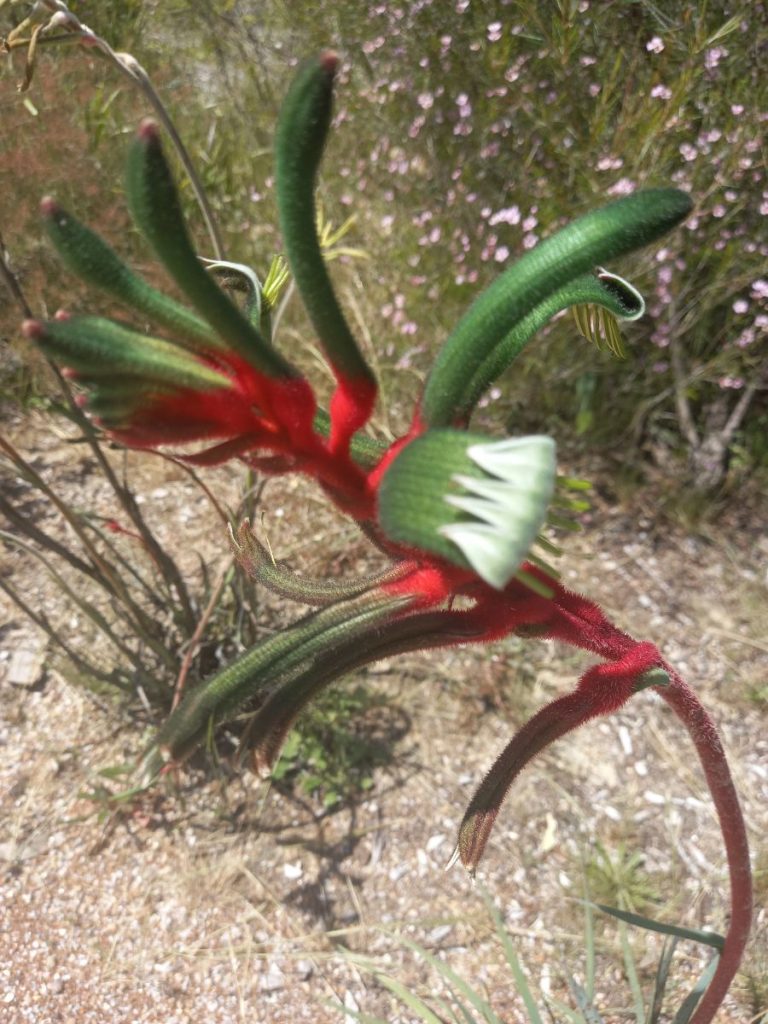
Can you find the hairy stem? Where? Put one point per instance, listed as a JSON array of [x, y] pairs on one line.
[[686, 706]]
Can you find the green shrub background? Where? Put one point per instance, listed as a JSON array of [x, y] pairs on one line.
[[464, 132]]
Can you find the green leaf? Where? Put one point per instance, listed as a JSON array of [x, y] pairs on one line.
[[630, 968], [708, 938], [457, 983], [476, 503], [521, 982], [409, 999], [685, 1012], [662, 976]]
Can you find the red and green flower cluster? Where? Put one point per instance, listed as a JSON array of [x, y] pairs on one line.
[[460, 514]]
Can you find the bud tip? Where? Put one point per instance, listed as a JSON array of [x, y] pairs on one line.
[[49, 207], [33, 329], [329, 61], [148, 130]]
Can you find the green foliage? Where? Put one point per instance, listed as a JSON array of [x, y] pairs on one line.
[[463, 1001], [336, 745], [561, 104], [620, 879]]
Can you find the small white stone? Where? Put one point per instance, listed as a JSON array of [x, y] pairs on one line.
[[654, 798], [625, 739]]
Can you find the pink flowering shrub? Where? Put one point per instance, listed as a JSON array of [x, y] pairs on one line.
[[480, 114]]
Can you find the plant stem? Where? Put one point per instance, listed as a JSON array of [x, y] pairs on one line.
[[688, 709]]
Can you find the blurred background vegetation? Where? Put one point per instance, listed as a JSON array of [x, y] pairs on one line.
[[465, 131]]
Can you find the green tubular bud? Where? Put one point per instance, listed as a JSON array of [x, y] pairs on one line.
[[595, 238], [257, 561], [154, 205], [383, 639], [364, 450], [90, 258], [228, 690], [99, 347], [477, 503], [599, 289], [653, 677], [301, 133]]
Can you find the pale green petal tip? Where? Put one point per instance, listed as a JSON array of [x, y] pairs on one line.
[[238, 268], [632, 298], [509, 507]]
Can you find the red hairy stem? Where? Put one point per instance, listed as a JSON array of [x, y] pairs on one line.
[[694, 717], [602, 690]]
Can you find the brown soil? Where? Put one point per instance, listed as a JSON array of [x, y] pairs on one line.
[[215, 898]]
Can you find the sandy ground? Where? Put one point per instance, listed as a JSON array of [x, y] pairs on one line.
[[217, 898]]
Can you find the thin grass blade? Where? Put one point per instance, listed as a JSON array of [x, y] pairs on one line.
[[631, 969], [685, 1012], [457, 983], [662, 976], [521, 982]]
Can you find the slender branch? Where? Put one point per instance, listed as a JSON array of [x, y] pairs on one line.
[[196, 636], [682, 405], [42, 622], [12, 283], [165, 564], [62, 17], [739, 411]]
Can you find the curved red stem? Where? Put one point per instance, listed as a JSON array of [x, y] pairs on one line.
[[694, 717]]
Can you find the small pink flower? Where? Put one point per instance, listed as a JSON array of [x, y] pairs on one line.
[[713, 57], [655, 45], [509, 215], [623, 187]]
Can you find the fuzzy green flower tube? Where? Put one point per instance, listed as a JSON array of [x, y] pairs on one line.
[[91, 259], [588, 289], [154, 205], [596, 238], [472, 501], [97, 348], [302, 129], [228, 690]]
